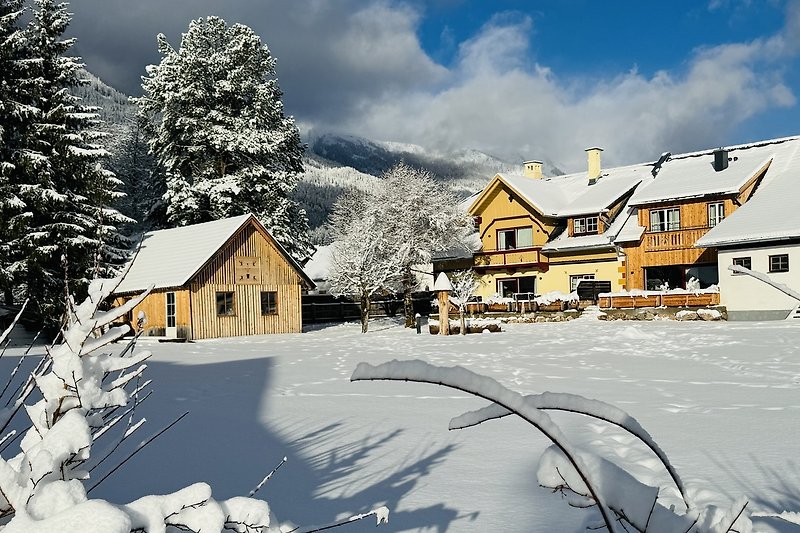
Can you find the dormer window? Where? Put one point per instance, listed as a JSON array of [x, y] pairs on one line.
[[584, 226]]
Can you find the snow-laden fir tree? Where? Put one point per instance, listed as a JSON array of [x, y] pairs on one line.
[[13, 111], [422, 216], [219, 134], [366, 260], [65, 227], [134, 165]]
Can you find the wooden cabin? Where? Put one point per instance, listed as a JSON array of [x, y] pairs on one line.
[[223, 278]]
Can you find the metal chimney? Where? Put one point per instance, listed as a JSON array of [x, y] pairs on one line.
[[720, 159]]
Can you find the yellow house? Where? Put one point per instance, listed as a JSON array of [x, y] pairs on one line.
[[637, 227], [542, 234]]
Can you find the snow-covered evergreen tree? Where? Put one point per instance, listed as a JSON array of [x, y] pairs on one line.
[[421, 216], [134, 165], [66, 227], [365, 260], [218, 131], [13, 113]]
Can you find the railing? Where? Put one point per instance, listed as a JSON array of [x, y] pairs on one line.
[[503, 258], [673, 240]]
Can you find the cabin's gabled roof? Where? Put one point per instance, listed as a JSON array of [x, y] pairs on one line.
[[772, 214], [171, 257]]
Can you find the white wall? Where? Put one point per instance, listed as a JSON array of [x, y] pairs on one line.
[[750, 298]]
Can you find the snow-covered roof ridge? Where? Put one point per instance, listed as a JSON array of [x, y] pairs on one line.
[[171, 257], [772, 213]]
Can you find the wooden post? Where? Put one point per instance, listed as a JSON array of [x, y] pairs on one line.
[[444, 313], [443, 286]]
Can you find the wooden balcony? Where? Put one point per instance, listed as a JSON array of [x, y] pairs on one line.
[[673, 240], [503, 259]]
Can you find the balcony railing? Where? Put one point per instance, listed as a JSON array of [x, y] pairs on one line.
[[507, 258], [673, 240]]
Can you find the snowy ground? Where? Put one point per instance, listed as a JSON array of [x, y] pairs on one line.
[[720, 398]]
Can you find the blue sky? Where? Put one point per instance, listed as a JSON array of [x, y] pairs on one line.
[[517, 79]]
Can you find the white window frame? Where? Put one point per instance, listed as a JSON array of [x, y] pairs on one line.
[[575, 279], [668, 219], [519, 234], [585, 225], [716, 213]]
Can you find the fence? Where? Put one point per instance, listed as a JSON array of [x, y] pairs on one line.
[[327, 308]]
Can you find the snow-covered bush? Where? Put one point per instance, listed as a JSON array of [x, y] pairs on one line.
[[42, 488], [586, 478]]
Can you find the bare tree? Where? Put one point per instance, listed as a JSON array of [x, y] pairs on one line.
[[464, 286], [365, 259], [422, 217]]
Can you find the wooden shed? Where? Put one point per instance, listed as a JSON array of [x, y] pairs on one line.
[[223, 278]]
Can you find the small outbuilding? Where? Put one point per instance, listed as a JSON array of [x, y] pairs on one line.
[[223, 278]]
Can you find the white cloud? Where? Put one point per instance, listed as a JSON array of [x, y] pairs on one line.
[[358, 66], [495, 103]]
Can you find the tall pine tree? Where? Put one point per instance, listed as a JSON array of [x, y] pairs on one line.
[[53, 160], [15, 112], [218, 131]]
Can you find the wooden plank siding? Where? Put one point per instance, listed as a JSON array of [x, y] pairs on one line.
[[672, 247], [218, 275], [154, 307]]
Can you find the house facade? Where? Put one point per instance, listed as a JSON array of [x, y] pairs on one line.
[[636, 227], [217, 279], [689, 195], [542, 234], [763, 236]]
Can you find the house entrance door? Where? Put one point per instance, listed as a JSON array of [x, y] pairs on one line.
[[171, 329]]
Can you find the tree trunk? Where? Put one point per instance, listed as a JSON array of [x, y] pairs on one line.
[[408, 303], [8, 296], [463, 321], [364, 312]]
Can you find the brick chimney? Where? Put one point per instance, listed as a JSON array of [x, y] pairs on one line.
[[595, 168], [533, 169]]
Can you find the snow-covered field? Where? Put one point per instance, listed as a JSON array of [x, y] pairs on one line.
[[722, 399]]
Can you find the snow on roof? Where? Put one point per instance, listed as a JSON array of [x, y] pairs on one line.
[[630, 230], [583, 242], [772, 213], [692, 175], [546, 195], [610, 187], [170, 257], [319, 265]]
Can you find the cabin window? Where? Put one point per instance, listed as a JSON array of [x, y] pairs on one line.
[[512, 239], [716, 212], [744, 262], [582, 226], [574, 280], [779, 263], [665, 219], [269, 303], [224, 304]]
